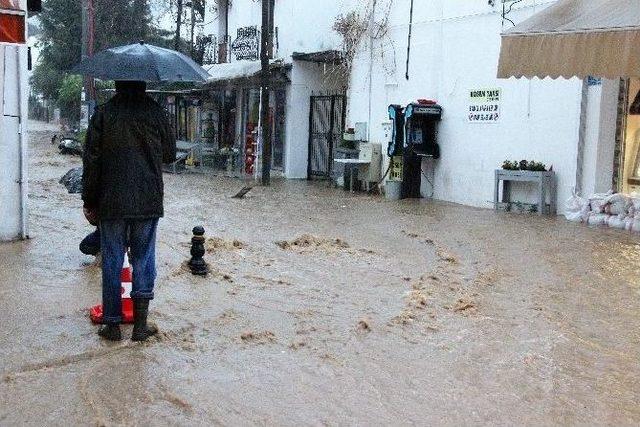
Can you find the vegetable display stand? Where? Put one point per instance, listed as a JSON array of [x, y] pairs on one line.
[[546, 183]]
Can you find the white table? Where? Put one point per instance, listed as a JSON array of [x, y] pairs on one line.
[[545, 181]]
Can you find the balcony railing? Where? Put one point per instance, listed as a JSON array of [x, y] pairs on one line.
[[245, 46]]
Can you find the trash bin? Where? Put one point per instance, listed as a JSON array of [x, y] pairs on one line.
[[393, 190]]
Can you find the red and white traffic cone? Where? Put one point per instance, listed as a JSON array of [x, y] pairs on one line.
[[126, 280]]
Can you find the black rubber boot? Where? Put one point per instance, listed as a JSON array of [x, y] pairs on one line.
[[110, 331], [141, 331]]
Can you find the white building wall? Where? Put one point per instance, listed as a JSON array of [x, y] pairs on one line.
[[603, 169], [13, 116], [303, 25], [455, 48], [306, 79], [242, 13], [307, 25], [591, 136], [600, 137]]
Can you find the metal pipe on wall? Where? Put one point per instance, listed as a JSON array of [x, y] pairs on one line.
[[23, 148]]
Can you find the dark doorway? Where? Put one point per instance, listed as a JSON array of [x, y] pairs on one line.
[[326, 124]]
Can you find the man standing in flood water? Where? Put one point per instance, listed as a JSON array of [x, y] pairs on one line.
[[128, 139]]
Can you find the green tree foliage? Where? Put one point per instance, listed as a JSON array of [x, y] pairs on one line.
[[46, 79], [69, 96], [120, 22], [60, 22]]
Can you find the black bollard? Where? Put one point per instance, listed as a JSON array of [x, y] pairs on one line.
[[197, 264]]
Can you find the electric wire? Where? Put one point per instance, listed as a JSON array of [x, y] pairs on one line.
[[506, 12], [409, 40], [383, 178]]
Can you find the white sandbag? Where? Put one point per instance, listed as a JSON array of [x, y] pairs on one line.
[[598, 219], [574, 216], [628, 223], [617, 204], [596, 205], [586, 211], [635, 203], [617, 221], [575, 203], [635, 227], [597, 201], [574, 208], [607, 219]]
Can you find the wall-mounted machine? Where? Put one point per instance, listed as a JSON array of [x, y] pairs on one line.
[[414, 137]]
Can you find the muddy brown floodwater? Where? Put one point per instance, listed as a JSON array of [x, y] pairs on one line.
[[324, 308]]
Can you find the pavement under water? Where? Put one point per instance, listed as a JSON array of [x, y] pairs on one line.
[[324, 307]]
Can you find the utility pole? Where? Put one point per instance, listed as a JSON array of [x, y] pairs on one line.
[[87, 46], [176, 39], [265, 81], [193, 28]]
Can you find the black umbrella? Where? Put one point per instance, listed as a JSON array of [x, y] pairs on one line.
[[141, 62]]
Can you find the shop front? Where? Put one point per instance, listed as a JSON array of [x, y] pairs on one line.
[[218, 131], [250, 114], [230, 120], [597, 41], [600, 38]]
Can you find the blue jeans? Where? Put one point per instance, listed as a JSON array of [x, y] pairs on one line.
[[114, 235]]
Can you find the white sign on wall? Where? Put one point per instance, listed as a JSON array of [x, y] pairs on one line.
[[84, 116], [484, 105]]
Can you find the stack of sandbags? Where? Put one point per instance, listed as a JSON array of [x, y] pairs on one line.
[[576, 206], [614, 210], [595, 215], [72, 180]]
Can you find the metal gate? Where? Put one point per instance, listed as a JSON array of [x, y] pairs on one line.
[[326, 124]]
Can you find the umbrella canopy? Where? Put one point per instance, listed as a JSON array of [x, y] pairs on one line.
[[575, 38], [142, 62]]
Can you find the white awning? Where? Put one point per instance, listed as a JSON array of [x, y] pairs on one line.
[[575, 38], [233, 71]]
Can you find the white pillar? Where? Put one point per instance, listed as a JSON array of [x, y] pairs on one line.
[[13, 155], [600, 137]]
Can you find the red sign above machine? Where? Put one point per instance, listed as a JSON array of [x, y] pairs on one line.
[[12, 22]]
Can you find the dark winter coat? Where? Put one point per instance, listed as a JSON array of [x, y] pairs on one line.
[[128, 139]]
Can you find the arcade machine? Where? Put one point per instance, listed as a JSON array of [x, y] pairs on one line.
[[414, 138]]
